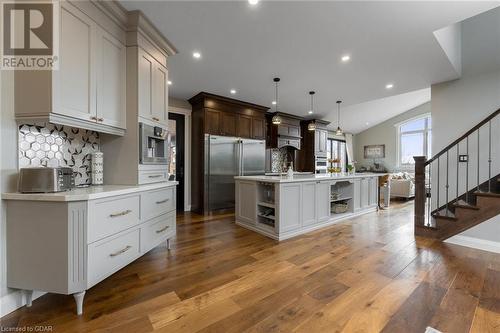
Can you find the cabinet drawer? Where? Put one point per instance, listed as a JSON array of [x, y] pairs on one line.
[[156, 231], [105, 258], [147, 177], [108, 217], [156, 203]]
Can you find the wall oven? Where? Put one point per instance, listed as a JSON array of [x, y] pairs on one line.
[[154, 145]]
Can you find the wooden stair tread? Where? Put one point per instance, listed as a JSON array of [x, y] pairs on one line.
[[487, 194], [465, 205]]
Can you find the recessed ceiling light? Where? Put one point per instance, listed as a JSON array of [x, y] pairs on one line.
[[310, 112], [253, 2], [367, 123], [345, 58], [232, 91], [169, 82], [273, 102], [196, 55], [389, 86]]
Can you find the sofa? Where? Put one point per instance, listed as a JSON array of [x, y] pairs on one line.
[[402, 185]]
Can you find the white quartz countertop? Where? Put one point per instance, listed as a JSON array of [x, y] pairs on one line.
[[87, 193], [306, 178]]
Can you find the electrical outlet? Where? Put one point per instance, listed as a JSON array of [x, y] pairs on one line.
[[463, 158]]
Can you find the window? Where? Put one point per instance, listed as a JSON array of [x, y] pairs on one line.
[[337, 149], [414, 139]]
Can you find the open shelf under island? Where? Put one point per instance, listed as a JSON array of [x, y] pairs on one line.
[[281, 207]]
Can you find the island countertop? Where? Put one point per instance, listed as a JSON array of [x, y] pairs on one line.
[[306, 178], [87, 193]]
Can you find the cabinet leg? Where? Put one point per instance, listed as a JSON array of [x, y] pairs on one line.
[[168, 243], [29, 297], [79, 302]]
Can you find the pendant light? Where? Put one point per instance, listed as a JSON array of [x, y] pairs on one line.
[[312, 125], [276, 120], [339, 130]]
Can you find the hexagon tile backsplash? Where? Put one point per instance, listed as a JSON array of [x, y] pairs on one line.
[[49, 145]]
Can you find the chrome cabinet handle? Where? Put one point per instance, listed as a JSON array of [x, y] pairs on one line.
[[156, 119], [162, 230], [128, 247], [100, 119], [155, 176], [125, 212], [93, 118], [161, 201]]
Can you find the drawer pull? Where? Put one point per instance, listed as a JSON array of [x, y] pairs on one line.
[[162, 229], [155, 176], [93, 118], [156, 119], [125, 212], [161, 201], [128, 247], [100, 119]]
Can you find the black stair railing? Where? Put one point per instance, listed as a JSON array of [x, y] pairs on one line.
[[425, 207]]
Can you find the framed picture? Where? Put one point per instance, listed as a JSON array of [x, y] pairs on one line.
[[374, 151]]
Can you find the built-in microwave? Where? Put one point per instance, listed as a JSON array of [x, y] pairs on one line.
[[154, 144]]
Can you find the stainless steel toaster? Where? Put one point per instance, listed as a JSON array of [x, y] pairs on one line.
[[45, 180]]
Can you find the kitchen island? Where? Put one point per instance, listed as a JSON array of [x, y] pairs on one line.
[[280, 207]]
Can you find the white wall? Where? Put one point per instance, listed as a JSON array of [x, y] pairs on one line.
[[459, 105], [385, 133]]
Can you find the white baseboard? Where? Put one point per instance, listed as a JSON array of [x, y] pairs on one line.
[[475, 243], [15, 300], [187, 208]]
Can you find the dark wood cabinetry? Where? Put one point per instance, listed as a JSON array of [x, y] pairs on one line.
[[314, 145], [218, 115], [286, 134]]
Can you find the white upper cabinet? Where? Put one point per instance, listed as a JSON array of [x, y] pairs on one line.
[[153, 89], [76, 91], [89, 88], [111, 85]]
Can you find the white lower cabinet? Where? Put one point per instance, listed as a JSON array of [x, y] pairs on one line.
[[81, 242], [309, 216], [109, 255], [357, 194], [323, 201], [290, 207]]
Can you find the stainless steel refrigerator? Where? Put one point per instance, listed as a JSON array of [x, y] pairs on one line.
[[225, 158]]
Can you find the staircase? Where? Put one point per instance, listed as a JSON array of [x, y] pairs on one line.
[[455, 190]]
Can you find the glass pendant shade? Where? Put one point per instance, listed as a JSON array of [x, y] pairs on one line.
[[339, 131], [276, 120], [311, 126]]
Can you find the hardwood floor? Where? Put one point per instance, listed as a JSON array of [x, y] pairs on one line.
[[368, 274]]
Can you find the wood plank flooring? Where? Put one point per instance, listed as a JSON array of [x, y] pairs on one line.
[[367, 274]]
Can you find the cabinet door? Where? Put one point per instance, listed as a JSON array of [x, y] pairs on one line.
[[112, 77], [145, 83], [373, 191], [323, 201], [309, 203], [160, 94], [75, 89], [364, 192], [244, 126], [212, 122], [357, 194], [228, 124], [294, 130], [282, 130], [258, 129], [290, 205], [323, 139]]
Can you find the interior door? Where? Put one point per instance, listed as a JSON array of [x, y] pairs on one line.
[[111, 85], [223, 166], [253, 159], [176, 128], [75, 85]]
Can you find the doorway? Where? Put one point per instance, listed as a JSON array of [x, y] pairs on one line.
[[176, 166]]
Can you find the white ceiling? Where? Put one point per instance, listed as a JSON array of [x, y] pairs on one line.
[[243, 47]]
